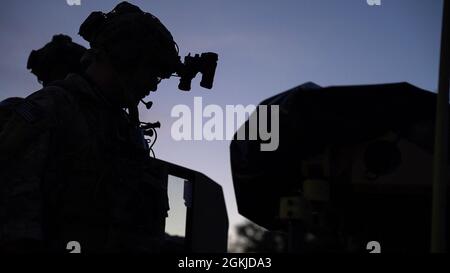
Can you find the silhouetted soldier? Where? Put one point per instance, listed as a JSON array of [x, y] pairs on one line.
[[56, 59], [73, 165]]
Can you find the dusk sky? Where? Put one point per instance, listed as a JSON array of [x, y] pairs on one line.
[[265, 47]]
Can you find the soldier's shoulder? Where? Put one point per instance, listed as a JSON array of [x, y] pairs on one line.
[[54, 98], [48, 103], [50, 96]]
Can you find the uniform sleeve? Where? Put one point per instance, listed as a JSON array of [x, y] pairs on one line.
[[24, 147]]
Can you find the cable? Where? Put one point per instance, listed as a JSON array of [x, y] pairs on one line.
[[154, 140], [151, 142]]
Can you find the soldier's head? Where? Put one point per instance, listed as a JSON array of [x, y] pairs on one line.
[[134, 47], [56, 59]]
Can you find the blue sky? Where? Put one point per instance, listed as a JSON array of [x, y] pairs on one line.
[[264, 47]]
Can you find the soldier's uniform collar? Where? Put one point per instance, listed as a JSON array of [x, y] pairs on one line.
[[85, 85]]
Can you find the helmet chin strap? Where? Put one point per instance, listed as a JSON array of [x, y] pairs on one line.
[[133, 113], [132, 106], [126, 94], [128, 90]]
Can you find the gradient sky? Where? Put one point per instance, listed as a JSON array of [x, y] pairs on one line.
[[264, 47]]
